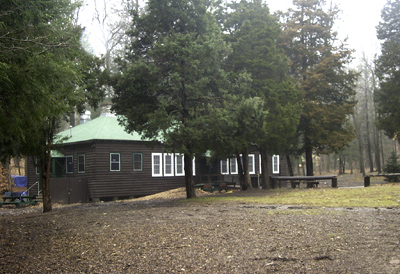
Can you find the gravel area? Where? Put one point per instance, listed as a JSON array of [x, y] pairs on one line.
[[160, 235]]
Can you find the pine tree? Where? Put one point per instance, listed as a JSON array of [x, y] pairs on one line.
[[388, 96], [171, 75], [319, 65], [392, 166]]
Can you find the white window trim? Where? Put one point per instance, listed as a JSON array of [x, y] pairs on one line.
[[235, 164], [275, 159], [259, 164], [176, 165], [165, 164], [161, 165], [194, 166], [252, 159], [66, 164], [227, 166], [119, 162], [84, 163]]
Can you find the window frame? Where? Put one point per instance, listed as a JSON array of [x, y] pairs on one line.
[[176, 165], [224, 162], [170, 165], [234, 160], [160, 174], [275, 164], [79, 162], [251, 158], [133, 161], [119, 161], [67, 171], [194, 165]]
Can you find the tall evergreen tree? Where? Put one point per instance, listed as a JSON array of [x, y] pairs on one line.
[[170, 75], [271, 100], [45, 74], [319, 64], [388, 70]]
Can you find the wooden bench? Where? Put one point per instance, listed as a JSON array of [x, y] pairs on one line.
[[19, 200]]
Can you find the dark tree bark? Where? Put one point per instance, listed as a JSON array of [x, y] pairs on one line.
[[360, 145], [240, 169], [309, 159], [45, 163], [245, 182], [289, 164], [266, 183], [190, 189]]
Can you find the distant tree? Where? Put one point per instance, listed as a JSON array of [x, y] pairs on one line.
[[392, 166], [45, 75], [388, 64], [170, 75], [319, 65]]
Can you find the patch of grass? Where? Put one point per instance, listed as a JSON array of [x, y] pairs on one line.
[[387, 195]]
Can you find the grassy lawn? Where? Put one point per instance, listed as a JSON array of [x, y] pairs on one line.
[[386, 195]]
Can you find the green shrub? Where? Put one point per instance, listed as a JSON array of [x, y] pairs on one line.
[[392, 166]]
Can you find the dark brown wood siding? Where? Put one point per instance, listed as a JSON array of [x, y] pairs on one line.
[[102, 182]]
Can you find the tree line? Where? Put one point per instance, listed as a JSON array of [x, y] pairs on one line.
[[206, 75]]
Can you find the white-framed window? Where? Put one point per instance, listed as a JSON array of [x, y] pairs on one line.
[[81, 163], [259, 164], [194, 166], [115, 162], [179, 165], [275, 164], [252, 164], [156, 164], [233, 165], [168, 164], [69, 164], [225, 166], [137, 159]]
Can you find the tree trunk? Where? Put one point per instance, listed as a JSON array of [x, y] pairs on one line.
[[340, 165], [266, 183], [360, 146], [289, 164], [376, 131], [247, 181], [190, 189], [7, 173], [309, 159], [240, 169], [45, 163], [369, 149]]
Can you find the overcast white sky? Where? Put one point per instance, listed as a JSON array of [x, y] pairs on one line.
[[357, 22]]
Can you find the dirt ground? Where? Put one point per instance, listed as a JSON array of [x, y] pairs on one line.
[[162, 235]]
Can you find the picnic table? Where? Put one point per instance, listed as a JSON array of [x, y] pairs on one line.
[[311, 181], [19, 200], [211, 187]]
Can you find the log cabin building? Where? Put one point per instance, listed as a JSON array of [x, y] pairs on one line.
[[101, 161]]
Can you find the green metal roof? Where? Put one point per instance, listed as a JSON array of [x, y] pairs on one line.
[[102, 128], [56, 154]]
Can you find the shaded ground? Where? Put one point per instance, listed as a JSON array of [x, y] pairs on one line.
[[161, 235]]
